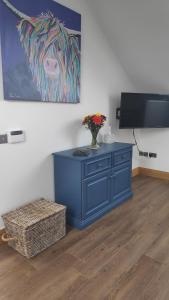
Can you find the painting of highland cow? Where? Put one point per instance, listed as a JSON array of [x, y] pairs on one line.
[[40, 47]]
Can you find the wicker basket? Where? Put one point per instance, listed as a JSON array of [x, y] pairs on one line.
[[34, 227]]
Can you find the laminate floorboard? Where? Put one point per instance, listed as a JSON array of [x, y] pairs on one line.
[[122, 256]]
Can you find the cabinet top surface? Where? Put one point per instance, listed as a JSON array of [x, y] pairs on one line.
[[104, 149]]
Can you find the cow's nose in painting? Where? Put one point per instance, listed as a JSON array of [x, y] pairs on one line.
[[51, 66]]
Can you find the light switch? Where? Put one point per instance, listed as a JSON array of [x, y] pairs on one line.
[[16, 136]]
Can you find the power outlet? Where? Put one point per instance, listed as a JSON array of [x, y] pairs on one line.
[[145, 154], [3, 139], [152, 155]]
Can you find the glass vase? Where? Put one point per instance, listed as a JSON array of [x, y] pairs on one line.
[[94, 145]]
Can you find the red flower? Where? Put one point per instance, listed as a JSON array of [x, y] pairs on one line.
[[97, 119], [94, 122]]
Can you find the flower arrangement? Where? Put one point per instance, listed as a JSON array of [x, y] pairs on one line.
[[94, 123]]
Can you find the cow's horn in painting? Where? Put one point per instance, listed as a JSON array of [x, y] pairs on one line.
[[16, 11], [25, 17]]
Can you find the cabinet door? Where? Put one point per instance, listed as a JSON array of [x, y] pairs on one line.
[[120, 182], [96, 193]]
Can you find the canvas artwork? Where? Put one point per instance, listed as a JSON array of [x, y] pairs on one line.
[[41, 46]]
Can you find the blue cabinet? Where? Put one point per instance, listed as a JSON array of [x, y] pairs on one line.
[[93, 185]]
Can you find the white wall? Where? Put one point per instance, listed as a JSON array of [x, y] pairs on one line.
[[157, 141], [26, 169], [138, 34]]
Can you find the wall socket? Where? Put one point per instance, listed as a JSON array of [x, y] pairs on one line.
[[3, 139], [141, 153], [152, 155], [148, 154]]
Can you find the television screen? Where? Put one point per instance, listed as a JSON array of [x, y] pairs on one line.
[[144, 111]]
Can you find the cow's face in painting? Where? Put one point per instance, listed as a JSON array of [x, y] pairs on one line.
[[47, 45], [51, 67], [53, 59], [53, 55], [51, 41]]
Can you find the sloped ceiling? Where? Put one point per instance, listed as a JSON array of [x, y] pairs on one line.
[[138, 32]]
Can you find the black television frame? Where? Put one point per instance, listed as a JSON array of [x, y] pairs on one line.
[[156, 97]]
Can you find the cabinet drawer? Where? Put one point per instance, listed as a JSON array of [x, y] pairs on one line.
[[122, 157], [93, 166]]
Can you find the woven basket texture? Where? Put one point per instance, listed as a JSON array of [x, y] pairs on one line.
[[35, 226]]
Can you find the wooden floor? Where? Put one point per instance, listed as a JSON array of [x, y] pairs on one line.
[[125, 255]]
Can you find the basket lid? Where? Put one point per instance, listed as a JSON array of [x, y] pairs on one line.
[[32, 213]]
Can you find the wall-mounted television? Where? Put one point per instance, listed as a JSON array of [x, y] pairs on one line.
[[139, 110]]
